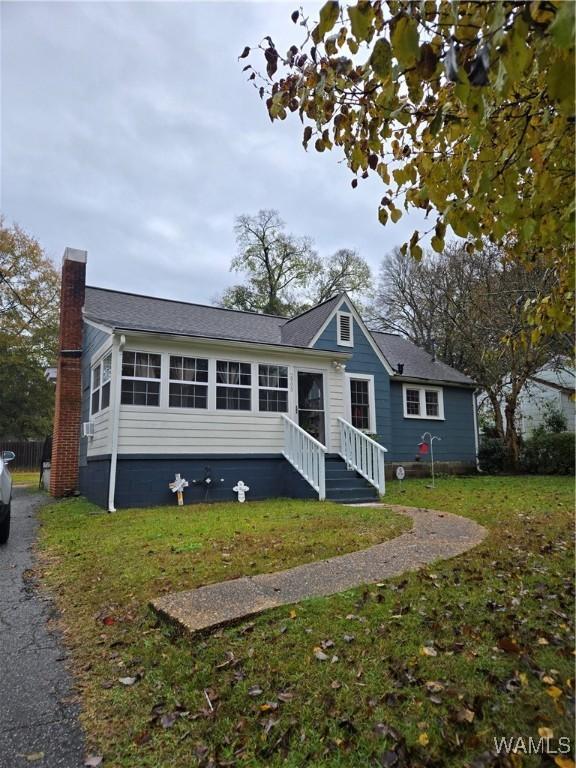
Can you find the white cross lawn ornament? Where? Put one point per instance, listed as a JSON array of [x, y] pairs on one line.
[[178, 486], [240, 488]]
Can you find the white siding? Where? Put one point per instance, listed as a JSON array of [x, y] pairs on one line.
[[100, 443], [148, 429]]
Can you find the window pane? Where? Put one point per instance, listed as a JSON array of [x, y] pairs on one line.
[[360, 403], [432, 408], [96, 377], [273, 400], [128, 363], [147, 366], [95, 401], [233, 373], [273, 376], [413, 402], [140, 392], [188, 369], [188, 396], [233, 399], [107, 368], [106, 395]]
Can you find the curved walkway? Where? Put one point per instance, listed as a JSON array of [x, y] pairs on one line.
[[434, 536]]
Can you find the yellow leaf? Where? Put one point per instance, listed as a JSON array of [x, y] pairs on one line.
[[564, 762], [328, 17], [405, 41], [381, 58], [423, 739], [542, 641], [395, 214], [554, 692], [546, 733], [427, 650], [293, 614]]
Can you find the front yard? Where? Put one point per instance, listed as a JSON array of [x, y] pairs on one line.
[[423, 670]]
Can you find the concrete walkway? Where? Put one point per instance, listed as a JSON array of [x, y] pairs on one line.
[[38, 712], [434, 536]]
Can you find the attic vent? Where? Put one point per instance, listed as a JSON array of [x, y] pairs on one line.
[[345, 329]]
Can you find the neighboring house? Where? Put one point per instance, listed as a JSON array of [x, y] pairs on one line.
[[149, 387], [549, 390]]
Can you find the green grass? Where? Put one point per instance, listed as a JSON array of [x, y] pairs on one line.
[[24, 477], [499, 619]]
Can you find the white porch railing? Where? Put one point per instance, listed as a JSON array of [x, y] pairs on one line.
[[363, 454], [305, 454]]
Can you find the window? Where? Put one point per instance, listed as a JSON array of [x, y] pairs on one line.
[[140, 378], [233, 386], [423, 402], [345, 337], [273, 388], [100, 391], [188, 386], [360, 404]]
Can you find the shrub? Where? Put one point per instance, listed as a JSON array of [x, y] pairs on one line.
[[549, 454], [492, 454], [554, 420]]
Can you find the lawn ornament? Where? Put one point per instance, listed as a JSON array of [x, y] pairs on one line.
[[178, 486], [400, 475], [424, 447], [240, 488]]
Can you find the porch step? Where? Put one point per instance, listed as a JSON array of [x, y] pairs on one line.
[[346, 485]]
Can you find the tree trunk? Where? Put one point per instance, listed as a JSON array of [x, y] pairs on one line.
[[512, 438], [498, 421]]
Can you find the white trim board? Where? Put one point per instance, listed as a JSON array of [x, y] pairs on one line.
[[371, 399]]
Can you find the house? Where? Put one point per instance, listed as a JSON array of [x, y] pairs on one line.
[[314, 406], [551, 389]]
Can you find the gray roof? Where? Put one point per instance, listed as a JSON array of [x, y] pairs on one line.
[[300, 330], [418, 364], [131, 312]]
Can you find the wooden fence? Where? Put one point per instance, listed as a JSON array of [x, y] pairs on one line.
[[28, 453]]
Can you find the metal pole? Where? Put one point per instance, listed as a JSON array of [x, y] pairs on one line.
[[432, 458]]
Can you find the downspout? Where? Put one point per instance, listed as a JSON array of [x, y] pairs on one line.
[[117, 347], [476, 437]]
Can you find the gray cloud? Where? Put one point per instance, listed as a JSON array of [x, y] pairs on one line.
[[129, 129]]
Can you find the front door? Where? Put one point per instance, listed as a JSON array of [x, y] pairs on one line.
[[310, 409]]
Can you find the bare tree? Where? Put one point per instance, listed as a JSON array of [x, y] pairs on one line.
[[471, 308]]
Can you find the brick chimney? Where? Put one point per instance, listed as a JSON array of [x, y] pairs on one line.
[[66, 436]]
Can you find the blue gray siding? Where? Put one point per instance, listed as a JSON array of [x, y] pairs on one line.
[[142, 480], [92, 338], [364, 360], [456, 431]]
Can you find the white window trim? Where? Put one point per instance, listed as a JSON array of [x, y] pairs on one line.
[[272, 389], [371, 399], [342, 342], [100, 365], [422, 389], [252, 387], [160, 381], [186, 409]]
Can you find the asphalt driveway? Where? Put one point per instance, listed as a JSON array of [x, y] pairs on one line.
[[38, 716]]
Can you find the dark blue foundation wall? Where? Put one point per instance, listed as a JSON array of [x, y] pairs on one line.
[[142, 480]]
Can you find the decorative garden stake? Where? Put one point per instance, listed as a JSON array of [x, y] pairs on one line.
[[241, 489], [178, 486], [400, 474], [423, 450]]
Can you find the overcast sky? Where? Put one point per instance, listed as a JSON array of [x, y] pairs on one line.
[[129, 130]]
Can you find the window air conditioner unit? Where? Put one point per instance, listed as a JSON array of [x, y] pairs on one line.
[[88, 429]]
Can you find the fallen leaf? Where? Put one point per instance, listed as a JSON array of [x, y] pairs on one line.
[[428, 650], [564, 762], [127, 680], [93, 761], [433, 686], [542, 641], [423, 739], [255, 690], [509, 645], [34, 756], [285, 696], [168, 720], [554, 692], [293, 614], [348, 638], [465, 715], [546, 733], [320, 655], [335, 685]]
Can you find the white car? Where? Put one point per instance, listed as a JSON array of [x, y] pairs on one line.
[[5, 495]]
